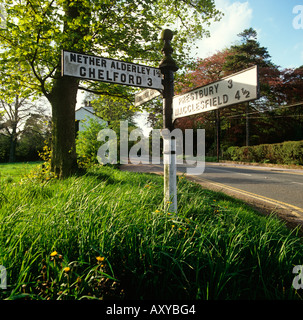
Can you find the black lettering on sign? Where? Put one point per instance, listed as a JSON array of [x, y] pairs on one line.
[[237, 96], [123, 66], [230, 84], [107, 76], [225, 98], [123, 77], [245, 92], [100, 74], [91, 73], [131, 79], [82, 71], [103, 63], [116, 75], [73, 57], [138, 80]]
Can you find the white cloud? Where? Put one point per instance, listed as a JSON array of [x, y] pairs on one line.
[[237, 17]]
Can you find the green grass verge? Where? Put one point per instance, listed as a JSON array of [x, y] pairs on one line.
[[12, 172], [104, 235]]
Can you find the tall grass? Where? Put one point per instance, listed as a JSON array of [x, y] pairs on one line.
[[105, 235]]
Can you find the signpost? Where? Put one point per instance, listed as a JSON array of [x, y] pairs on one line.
[[234, 89], [90, 67], [145, 96], [237, 88], [168, 67]]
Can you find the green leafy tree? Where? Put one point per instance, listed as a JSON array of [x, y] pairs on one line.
[[35, 134], [248, 53], [17, 110], [37, 30]]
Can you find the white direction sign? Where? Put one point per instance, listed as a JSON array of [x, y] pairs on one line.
[[145, 95], [234, 89], [90, 67]]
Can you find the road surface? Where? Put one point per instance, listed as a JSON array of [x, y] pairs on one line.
[[272, 189]]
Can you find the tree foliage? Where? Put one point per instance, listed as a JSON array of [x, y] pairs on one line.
[[269, 120], [37, 30]]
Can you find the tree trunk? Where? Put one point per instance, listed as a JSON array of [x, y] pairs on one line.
[[63, 97], [13, 144], [63, 100]]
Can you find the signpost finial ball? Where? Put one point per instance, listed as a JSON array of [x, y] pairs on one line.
[[166, 34]]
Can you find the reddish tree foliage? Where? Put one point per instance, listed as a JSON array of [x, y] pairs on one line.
[[203, 72], [292, 84], [265, 120]]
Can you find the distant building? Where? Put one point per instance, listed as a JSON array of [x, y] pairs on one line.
[[85, 113]]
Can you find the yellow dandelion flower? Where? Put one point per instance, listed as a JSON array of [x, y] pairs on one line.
[[157, 211], [100, 259], [66, 269], [54, 253]]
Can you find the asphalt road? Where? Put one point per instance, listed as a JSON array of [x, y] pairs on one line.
[[282, 186]]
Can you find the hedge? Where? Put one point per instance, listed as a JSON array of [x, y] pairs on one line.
[[289, 152]]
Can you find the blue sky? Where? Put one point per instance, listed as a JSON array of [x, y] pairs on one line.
[[272, 19]]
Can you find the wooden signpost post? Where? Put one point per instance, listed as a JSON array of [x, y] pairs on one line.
[[168, 67]]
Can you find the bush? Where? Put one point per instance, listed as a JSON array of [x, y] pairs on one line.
[[87, 144], [289, 152]]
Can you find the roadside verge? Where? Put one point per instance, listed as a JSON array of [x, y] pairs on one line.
[[292, 215]]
